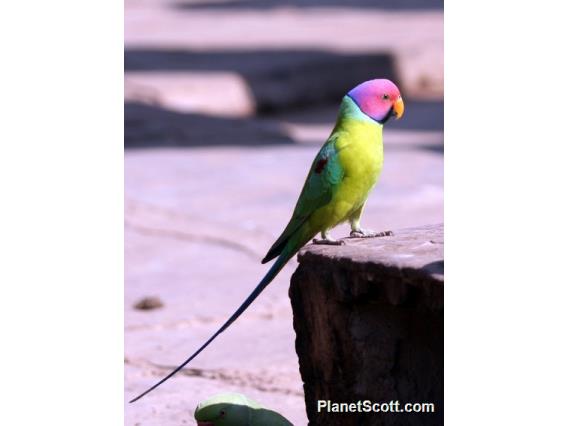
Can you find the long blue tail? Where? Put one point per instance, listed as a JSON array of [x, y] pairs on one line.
[[272, 272]]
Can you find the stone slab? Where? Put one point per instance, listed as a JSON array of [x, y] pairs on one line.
[[368, 317]]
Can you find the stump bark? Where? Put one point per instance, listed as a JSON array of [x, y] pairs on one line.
[[368, 318]]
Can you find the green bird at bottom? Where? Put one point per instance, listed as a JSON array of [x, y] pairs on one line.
[[340, 179], [235, 409]]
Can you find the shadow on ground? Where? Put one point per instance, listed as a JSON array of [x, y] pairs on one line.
[[271, 4], [278, 79], [151, 126]]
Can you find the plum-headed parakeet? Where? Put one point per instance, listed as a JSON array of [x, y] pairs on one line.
[[235, 409], [337, 186]]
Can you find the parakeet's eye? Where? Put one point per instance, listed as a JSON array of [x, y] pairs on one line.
[[222, 413], [385, 97]]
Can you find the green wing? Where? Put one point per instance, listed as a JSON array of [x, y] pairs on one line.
[[265, 417], [324, 176]]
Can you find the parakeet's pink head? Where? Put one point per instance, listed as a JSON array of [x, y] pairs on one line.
[[379, 99]]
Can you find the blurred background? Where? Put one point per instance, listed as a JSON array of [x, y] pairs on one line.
[[226, 104]]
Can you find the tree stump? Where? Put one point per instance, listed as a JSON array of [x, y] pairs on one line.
[[368, 318]]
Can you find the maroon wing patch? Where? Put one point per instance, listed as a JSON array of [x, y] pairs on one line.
[[320, 165]]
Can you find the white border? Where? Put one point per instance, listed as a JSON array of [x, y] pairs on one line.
[[506, 213], [61, 232]]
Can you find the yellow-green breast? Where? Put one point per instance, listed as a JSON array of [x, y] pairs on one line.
[[359, 140]]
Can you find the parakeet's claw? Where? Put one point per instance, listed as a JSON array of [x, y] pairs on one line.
[[328, 242], [365, 233], [326, 239]]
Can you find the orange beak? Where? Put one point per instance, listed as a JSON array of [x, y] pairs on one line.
[[398, 108]]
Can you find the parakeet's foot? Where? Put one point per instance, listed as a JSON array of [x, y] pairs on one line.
[[365, 233], [326, 239], [328, 242]]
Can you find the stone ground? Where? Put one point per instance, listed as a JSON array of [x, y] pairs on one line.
[[217, 149]]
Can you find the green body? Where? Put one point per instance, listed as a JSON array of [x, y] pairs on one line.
[[234, 409]]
